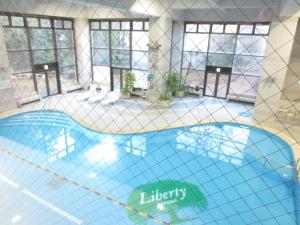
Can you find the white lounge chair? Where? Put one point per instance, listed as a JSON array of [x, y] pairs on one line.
[[92, 92], [111, 98], [97, 97]]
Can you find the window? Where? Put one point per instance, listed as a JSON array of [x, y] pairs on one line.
[[43, 49], [43, 56], [115, 26], [230, 28], [248, 65], [140, 79], [64, 38], [16, 39], [41, 39], [121, 58], [222, 60], [217, 28], [137, 25], [140, 40], [146, 25], [45, 23], [4, 21], [120, 40], [101, 57], [261, 29], [196, 42], [222, 43], [20, 61], [191, 28], [121, 44], [140, 60], [203, 28], [251, 45], [195, 60], [58, 23], [95, 25], [104, 25], [67, 24], [66, 57], [17, 21], [237, 46], [125, 25], [33, 22], [246, 29], [66, 53], [100, 39]]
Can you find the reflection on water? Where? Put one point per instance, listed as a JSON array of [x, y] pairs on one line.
[[62, 146], [105, 152], [136, 145], [219, 158], [226, 143]]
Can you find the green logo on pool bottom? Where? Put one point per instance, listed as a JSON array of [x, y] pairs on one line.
[[165, 196]]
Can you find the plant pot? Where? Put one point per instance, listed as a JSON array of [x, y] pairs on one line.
[[180, 94], [126, 95], [164, 103]]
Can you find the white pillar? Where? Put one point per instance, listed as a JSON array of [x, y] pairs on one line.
[[159, 63], [83, 51], [177, 43], [275, 68], [7, 101]]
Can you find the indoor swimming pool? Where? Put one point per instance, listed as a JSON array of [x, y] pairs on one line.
[[217, 173]]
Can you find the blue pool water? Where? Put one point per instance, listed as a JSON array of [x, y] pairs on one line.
[[241, 171]]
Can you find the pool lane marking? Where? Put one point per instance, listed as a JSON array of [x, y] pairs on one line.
[[104, 196], [42, 201], [8, 181], [52, 207]]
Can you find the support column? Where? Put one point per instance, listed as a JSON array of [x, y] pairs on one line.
[[83, 51], [177, 43], [160, 34], [7, 101], [275, 69]]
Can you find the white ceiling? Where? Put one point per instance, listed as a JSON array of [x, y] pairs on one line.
[[180, 9]]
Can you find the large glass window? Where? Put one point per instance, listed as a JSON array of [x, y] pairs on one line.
[[47, 43], [66, 53], [222, 43], [16, 39], [196, 42], [120, 44], [194, 60], [237, 46], [251, 45], [19, 56]]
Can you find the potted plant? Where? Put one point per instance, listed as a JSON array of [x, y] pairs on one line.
[[180, 91], [165, 100], [129, 79], [172, 82]]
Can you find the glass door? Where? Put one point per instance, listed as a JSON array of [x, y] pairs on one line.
[[117, 78], [217, 82], [40, 78], [46, 79], [223, 83], [52, 82], [210, 84]]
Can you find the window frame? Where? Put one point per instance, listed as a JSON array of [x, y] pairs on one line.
[[109, 48], [29, 40]]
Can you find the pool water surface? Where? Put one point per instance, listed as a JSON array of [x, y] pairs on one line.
[[217, 173]]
